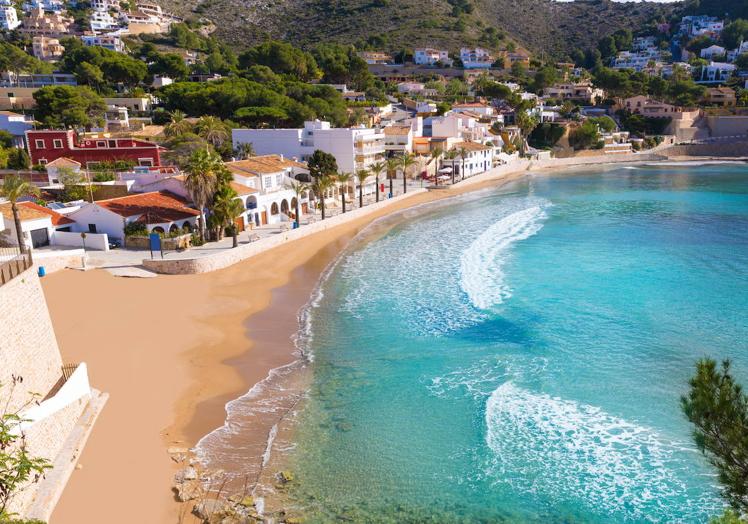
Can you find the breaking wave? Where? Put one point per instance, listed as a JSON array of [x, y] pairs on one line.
[[481, 264]]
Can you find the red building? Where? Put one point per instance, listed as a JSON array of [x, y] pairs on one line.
[[47, 145]]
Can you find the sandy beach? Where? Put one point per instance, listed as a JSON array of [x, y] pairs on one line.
[[171, 351]]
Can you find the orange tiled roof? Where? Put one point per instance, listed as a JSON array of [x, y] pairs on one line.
[[33, 211], [241, 189], [471, 146], [262, 165], [396, 130], [155, 207]]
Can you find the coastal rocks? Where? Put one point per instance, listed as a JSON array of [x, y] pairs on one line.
[[208, 509], [189, 490], [183, 475]]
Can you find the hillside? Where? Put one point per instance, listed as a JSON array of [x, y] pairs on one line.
[[539, 25]]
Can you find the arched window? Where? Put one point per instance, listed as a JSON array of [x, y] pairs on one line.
[[284, 206], [158, 229], [274, 209], [187, 227], [174, 228]]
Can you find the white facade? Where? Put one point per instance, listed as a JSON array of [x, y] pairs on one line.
[[713, 51], [716, 72], [456, 125], [111, 42], [478, 159], [16, 124], [353, 148], [8, 16], [430, 56], [477, 58]]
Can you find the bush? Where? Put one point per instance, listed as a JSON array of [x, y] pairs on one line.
[[136, 229]]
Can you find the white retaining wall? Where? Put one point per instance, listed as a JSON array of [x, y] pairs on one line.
[[95, 241]]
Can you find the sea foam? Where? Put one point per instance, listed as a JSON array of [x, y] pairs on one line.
[[563, 451], [481, 265]]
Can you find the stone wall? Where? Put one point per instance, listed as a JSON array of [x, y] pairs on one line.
[[28, 347], [731, 149], [228, 257]]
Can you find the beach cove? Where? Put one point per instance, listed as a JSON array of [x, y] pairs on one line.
[[191, 351], [171, 372]]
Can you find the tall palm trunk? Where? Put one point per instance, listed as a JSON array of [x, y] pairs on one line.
[[360, 195], [298, 220], [392, 189], [322, 205], [234, 236], [19, 232], [376, 186], [405, 182], [463, 168], [342, 196], [453, 173]]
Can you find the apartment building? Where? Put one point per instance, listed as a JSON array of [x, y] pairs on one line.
[[47, 49], [477, 58], [8, 16], [354, 148], [431, 56]]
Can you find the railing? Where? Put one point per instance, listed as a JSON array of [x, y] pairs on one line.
[[13, 263]]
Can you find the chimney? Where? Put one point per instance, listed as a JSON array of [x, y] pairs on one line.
[[281, 156]]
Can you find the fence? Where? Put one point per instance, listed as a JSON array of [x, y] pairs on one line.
[[13, 263]]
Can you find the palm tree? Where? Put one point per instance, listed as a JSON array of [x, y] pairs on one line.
[[392, 164], [201, 181], [376, 168], [244, 151], [451, 155], [299, 188], [436, 154], [320, 186], [462, 153], [361, 176], [212, 129], [178, 125], [343, 179], [13, 188], [227, 208], [406, 161]]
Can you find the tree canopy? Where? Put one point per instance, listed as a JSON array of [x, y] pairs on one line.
[[68, 106], [282, 58]]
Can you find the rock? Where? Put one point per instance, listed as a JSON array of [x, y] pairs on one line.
[[285, 477], [185, 474], [179, 457], [189, 490], [247, 502], [205, 509], [79, 466]]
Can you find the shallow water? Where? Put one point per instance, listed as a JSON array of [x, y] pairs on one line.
[[519, 356]]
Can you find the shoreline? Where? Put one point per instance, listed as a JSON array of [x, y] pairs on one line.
[[212, 337]]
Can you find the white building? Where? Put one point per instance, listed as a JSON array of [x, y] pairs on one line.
[[38, 224], [353, 148], [16, 124], [8, 15], [712, 52], [111, 42], [430, 56], [266, 179], [477, 58], [101, 20], [398, 139], [458, 125], [716, 72], [478, 159]]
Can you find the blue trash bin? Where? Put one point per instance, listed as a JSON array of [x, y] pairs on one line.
[[42, 272]]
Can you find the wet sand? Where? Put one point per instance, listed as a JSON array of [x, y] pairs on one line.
[[171, 351]]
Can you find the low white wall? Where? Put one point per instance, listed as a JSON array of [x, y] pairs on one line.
[[230, 257], [95, 241], [56, 260]]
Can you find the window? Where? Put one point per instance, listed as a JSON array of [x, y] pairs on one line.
[[39, 143], [267, 181], [57, 143], [148, 162], [92, 228], [278, 179], [101, 143], [42, 161], [11, 95], [112, 143]]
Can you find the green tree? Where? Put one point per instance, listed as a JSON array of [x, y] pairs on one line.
[[227, 208], [361, 175], [341, 65], [742, 61], [18, 159], [376, 169], [585, 136], [13, 189], [18, 466], [319, 186], [201, 181], [406, 161], [322, 164], [299, 189], [89, 74], [213, 130], [718, 409], [170, 65], [734, 33], [75, 186], [283, 58], [343, 179], [69, 106]]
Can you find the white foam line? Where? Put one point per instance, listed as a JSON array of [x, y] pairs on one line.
[[481, 275]]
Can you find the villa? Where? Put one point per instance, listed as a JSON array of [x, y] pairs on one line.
[[478, 159], [159, 211], [430, 56], [47, 145], [477, 58], [111, 42], [398, 139], [8, 16], [40, 23], [38, 224], [716, 73], [46, 49]]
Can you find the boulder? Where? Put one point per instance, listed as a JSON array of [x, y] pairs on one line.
[[183, 475], [189, 490], [209, 508]]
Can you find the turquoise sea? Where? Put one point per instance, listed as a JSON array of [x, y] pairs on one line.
[[518, 354]]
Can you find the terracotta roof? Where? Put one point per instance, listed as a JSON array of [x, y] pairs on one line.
[[156, 207], [262, 165], [241, 189], [63, 161], [33, 211], [471, 146], [471, 104], [396, 130]]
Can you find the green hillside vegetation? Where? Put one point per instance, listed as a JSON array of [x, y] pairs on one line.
[[552, 27]]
